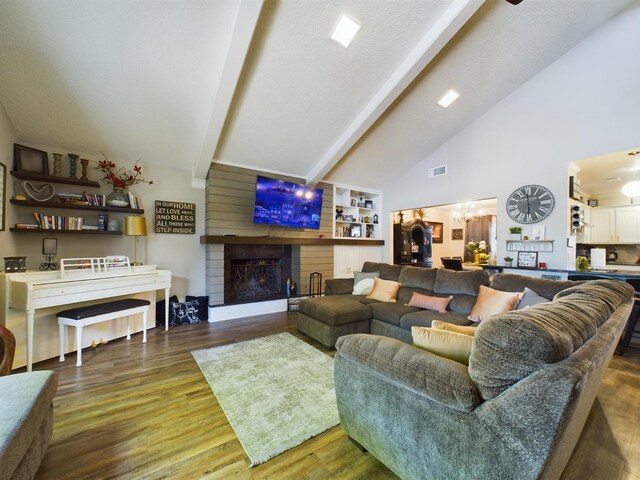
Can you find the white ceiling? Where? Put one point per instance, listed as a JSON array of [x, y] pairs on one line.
[[598, 174], [262, 85]]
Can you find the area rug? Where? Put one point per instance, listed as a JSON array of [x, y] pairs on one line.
[[276, 391]]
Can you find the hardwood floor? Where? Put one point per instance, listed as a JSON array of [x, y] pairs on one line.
[[138, 410]]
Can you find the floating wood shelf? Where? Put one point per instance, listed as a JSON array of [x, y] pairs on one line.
[[530, 245], [72, 206], [56, 231], [37, 177], [237, 240]]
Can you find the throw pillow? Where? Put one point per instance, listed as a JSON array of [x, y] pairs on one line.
[[491, 302], [384, 290], [530, 298], [363, 282], [203, 306], [451, 345], [438, 304], [450, 327], [183, 313]]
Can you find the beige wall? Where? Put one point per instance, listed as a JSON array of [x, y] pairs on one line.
[[180, 253]]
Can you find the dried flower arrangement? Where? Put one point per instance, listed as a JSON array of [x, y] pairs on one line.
[[121, 177]]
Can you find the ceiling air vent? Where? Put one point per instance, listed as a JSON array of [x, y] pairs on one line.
[[437, 171]]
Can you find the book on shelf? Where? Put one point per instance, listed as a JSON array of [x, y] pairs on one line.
[[133, 201], [58, 222], [95, 199], [27, 226]]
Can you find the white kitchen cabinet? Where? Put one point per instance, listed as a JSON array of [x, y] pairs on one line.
[[628, 224], [602, 225], [615, 225]]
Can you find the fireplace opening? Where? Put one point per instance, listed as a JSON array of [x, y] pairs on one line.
[[254, 273]]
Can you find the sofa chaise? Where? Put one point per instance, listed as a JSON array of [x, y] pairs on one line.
[[515, 412], [340, 313]]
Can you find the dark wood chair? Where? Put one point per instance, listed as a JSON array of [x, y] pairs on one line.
[[315, 284], [7, 350], [452, 263]]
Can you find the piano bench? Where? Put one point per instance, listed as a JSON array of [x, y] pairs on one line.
[[92, 314]]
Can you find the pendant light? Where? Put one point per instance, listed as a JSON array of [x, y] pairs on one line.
[[632, 188]]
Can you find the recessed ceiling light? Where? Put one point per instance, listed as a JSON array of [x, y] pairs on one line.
[[345, 31], [448, 98]]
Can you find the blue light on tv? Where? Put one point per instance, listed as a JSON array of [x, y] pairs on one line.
[[285, 203]]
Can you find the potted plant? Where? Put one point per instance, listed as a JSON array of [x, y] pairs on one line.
[[508, 261], [515, 233], [582, 264], [477, 248]]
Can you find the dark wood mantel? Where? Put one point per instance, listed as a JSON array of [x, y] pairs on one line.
[[237, 240]]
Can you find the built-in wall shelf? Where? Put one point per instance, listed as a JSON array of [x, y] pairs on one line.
[[530, 245], [38, 177], [241, 240]]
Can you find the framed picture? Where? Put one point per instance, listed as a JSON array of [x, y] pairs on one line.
[[528, 259], [29, 159], [457, 233], [368, 204], [3, 194], [49, 246], [436, 232], [537, 233], [356, 231]]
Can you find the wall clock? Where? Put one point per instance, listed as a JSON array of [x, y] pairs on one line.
[[530, 204]]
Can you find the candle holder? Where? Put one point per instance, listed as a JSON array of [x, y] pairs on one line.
[[84, 163], [57, 164], [73, 158]]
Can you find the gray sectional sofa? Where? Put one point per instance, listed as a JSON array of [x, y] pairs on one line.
[[517, 410], [340, 313]]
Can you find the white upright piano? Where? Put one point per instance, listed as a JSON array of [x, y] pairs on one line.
[[28, 292]]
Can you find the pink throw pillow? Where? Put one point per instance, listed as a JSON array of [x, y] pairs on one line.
[[438, 304]]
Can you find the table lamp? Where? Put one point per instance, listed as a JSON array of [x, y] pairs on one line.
[[135, 226]]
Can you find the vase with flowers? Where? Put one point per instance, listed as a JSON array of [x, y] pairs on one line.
[[121, 179]]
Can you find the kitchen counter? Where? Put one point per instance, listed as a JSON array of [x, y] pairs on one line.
[[618, 273]]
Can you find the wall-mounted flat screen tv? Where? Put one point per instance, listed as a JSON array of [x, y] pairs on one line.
[[286, 203]]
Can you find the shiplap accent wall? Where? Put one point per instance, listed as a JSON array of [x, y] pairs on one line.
[[229, 211]]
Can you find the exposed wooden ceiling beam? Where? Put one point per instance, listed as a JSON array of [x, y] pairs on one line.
[[246, 22], [434, 40]]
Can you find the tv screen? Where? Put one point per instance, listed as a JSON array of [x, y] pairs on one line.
[[286, 203]]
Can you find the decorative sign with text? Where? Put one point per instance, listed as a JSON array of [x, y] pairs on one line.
[[175, 217]]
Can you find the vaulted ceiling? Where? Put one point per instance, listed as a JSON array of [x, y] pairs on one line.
[[260, 84]]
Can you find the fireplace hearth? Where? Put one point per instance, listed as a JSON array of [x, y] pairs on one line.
[[254, 273]]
